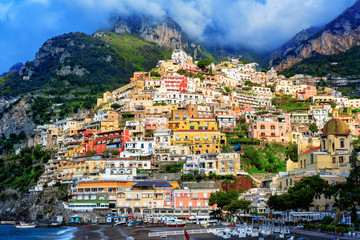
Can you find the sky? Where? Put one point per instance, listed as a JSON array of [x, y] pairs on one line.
[[258, 24]]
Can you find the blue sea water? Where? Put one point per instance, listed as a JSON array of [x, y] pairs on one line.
[[9, 232]]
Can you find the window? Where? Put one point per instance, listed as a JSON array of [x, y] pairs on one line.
[[272, 127], [231, 169], [262, 126], [222, 162], [341, 159], [342, 143], [231, 162], [222, 170], [334, 160]]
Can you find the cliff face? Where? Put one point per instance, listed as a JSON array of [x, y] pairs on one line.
[[164, 32], [337, 36], [15, 119]]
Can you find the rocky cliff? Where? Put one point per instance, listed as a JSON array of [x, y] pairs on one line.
[[337, 36], [15, 119], [15, 206], [163, 31]]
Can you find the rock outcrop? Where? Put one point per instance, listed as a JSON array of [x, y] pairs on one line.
[[164, 32], [15, 119], [337, 36]]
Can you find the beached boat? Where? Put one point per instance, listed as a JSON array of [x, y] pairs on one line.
[[176, 223], [25, 225]]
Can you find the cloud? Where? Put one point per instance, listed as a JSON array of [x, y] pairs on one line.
[[5, 10], [258, 24]]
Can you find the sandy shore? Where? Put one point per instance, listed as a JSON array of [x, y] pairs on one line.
[[107, 232]]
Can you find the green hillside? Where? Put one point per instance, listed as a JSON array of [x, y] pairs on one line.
[[342, 64], [73, 69]]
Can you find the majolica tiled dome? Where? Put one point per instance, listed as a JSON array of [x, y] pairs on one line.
[[336, 127]]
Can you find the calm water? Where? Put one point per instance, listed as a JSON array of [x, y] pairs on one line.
[[9, 232]]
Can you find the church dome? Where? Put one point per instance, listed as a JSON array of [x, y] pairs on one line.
[[336, 127]]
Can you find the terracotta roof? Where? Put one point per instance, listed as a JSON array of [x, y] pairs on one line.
[[310, 150]]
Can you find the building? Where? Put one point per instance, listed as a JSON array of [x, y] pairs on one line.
[[228, 163], [145, 198], [332, 155], [270, 129]]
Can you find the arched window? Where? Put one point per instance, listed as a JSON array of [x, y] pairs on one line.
[[342, 143], [155, 111], [231, 169], [272, 127], [262, 126], [186, 137], [222, 162], [231, 162], [262, 134], [148, 111], [273, 134]]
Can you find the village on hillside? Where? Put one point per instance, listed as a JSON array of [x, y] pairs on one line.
[[163, 144]]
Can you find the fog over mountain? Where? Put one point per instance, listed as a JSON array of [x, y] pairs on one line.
[[257, 24]]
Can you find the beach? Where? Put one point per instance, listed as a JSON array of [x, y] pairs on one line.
[[107, 232]]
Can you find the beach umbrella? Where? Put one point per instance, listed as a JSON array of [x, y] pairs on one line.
[[130, 216]]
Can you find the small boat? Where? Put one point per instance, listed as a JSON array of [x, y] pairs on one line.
[[177, 224], [25, 225]]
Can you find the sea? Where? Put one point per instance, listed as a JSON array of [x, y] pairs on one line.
[[9, 232]]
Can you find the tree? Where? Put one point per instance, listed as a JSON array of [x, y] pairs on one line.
[[301, 195], [155, 74], [227, 89], [291, 152], [222, 199], [203, 63], [313, 128], [349, 192], [115, 106], [238, 204]]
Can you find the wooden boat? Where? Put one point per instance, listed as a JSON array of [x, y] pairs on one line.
[[176, 224], [25, 225]]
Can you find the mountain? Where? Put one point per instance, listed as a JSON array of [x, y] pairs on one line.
[[163, 31], [13, 68], [294, 42], [337, 36], [343, 64], [71, 70]]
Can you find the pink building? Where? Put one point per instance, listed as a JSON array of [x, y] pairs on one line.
[[306, 93], [271, 129], [190, 67], [192, 198]]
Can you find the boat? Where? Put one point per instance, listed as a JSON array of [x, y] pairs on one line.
[[122, 222], [176, 223], [25, 225], [134, 223]]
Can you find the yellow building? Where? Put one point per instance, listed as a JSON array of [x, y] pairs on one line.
[[105, 98], [200, 134], [336, 145], [90, 195], [72, 170], [169, 67], [145, 198]]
